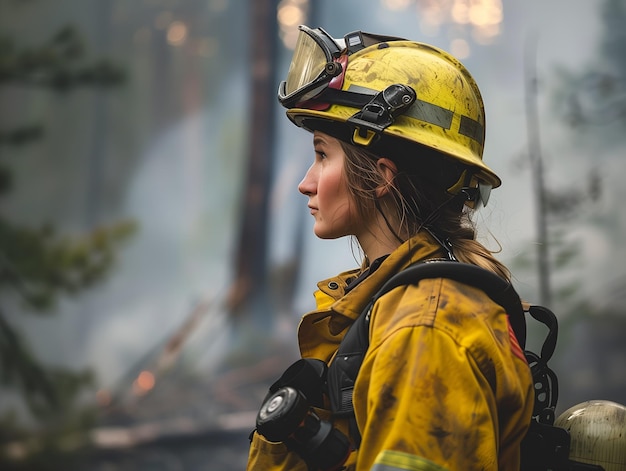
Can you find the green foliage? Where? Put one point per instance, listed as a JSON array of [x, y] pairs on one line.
[[57, 65], [38, 266], [21, 370], [21, 135], [63, 444]]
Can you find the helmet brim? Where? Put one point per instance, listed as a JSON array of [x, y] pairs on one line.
[[393, 138]]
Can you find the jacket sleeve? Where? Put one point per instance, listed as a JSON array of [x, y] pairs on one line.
[[426, 403], [269, 456]]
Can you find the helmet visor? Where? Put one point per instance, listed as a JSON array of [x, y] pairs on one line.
[[312, 66]]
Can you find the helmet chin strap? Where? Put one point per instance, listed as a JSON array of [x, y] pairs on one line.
[[446, 244]]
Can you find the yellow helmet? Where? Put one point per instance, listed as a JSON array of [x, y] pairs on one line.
[[598, 433], [381, 90]]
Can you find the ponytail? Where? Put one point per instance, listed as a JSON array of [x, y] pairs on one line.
[[473, 252], [420, 200]]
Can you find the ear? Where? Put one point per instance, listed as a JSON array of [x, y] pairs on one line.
[[388, 170]]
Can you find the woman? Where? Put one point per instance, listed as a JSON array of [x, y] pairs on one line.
[[398, 133]]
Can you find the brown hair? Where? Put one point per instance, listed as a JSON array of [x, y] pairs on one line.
[[420, 200]]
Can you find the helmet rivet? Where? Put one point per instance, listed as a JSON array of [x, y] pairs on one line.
[[333, 68]]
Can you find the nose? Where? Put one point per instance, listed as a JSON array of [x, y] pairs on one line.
[[308, 185]]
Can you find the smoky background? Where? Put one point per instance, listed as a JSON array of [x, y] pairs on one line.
[[155, 255]]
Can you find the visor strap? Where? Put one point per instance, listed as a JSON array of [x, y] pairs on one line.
[[344, 98]]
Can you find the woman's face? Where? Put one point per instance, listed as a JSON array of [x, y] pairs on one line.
[[325, 185]]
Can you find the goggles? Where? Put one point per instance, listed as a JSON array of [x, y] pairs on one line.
[[319, 63]]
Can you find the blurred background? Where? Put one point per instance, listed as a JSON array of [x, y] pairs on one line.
[[155, 255]]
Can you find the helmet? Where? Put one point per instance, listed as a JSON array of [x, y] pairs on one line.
[[598, 433], [383, 91]]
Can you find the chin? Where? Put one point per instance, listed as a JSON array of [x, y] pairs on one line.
[[321, 233]]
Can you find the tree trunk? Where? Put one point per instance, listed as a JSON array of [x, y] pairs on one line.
[[251, 253]]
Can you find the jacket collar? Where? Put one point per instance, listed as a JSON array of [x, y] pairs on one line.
[[321, 331], [351, 302]]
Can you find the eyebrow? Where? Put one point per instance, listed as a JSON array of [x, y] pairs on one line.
[[318, 140]]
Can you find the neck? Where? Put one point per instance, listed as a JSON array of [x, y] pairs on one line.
[[378, 239]]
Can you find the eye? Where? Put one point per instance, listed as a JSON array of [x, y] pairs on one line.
[[320, 155]]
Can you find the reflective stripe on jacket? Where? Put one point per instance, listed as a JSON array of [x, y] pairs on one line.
[[443, 385]]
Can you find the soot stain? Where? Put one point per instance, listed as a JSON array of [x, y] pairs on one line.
[[388, 399]]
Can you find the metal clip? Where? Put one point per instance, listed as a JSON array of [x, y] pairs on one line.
[[381, 112]]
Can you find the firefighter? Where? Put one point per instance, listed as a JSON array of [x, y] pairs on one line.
[[398, 130]]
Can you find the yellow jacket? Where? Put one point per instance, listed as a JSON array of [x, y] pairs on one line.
[[443, 386]]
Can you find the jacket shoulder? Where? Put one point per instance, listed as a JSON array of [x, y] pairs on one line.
[[451, 307]]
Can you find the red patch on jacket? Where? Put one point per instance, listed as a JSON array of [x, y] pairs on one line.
[[515, 347]]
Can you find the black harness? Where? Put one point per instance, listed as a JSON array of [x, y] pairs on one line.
[[545, 446]]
